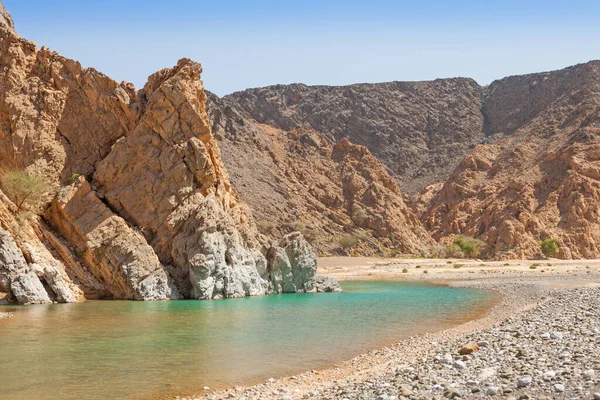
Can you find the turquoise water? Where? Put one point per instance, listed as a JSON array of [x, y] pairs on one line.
[[126, 350]]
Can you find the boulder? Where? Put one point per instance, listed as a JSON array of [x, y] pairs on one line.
[[468, 348], [327, 284], [292, 265], [16, 277]]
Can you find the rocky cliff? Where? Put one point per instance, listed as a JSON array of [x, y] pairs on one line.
[[339, 195], [541, 180], [144, 208]]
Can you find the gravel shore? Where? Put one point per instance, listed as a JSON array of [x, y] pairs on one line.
[[541, 341]]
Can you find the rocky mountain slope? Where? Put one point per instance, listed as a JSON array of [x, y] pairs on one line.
[[511, 163], [340, 195], [417, 129], [144, 208], [542, 180]]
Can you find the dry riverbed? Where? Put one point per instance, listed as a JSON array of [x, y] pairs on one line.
[[541, 341]]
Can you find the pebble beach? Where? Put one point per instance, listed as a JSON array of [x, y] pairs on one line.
[[540, 341]]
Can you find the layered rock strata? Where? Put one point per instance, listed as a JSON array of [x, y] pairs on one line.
[[145, 209]]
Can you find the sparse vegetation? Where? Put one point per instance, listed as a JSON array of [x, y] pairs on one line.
[[506, 264], [311, 234], [426, 272], [470, 247], [394, 253], [360, 218], [533, 266], [452, 250], [448, 262], [266, 227], [404, 270], [74, 177], [28, 191], [548, 264], [348, 241], [418, 266], [457, 266], [549, 247]]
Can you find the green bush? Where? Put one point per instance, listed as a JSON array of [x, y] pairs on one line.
[[418, 266], [470, 247], [448, 262], [404, 270], [452, 250], [533, 266], [74, 177], [27, 191], [549, 247], [458, 266]]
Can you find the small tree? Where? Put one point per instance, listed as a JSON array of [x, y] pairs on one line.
[[470, 247], [27, 191], [549, 247]]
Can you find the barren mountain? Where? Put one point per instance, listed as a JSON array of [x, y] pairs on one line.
[[541, 180], [144, 209], [417, 129], [337, 194], [511, 164]]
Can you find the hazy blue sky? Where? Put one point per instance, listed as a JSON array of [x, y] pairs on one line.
[[245, 44]]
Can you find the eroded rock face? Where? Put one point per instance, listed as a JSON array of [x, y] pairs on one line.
[[116, 254], [167, 178], [292, 265], [5, 18], [417, 129], [146, 210], [541, 181], [297, 180]]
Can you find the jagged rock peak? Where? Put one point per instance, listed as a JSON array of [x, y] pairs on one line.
[[5, 18]]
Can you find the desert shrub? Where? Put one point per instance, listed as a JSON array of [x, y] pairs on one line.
[[404, 270], [506, 264], [453, 250], [360, 217], [533, 266], [266, 227], [311, 234], [457, 266], [448, 262], [394, 253], [27, 191], [74, 177], [418, 266], [470, 247], [425, 272], [549, 247], [348, 241], [548, 264]]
